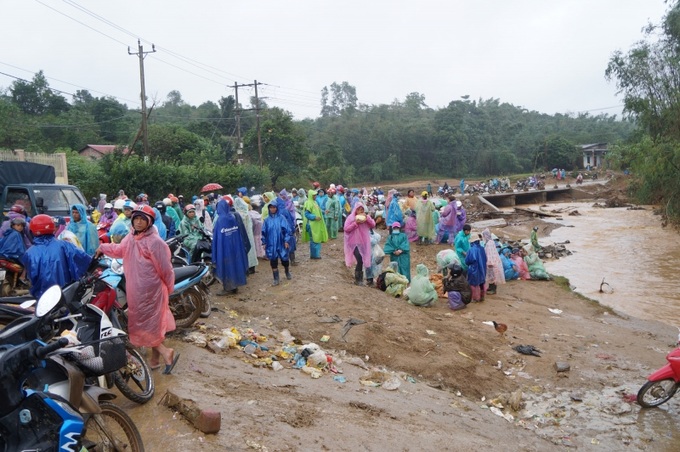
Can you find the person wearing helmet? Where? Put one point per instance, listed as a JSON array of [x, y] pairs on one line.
[[177, 207], [166, 219], [50, 261], [107, 218], [333, 214], [316, 186], [18, 211], [85, 231], [192, 227], [230, 247], [92, 210], [118, 205], [149, 280], [534, 239]]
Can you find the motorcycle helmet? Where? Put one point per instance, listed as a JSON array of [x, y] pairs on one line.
[[108, 205], [17, 220], [119, 204], [18, 208], [167, 201], [129, 205], [160, 205], [145, 211], [42, 225], [316, 185], [189, 207]]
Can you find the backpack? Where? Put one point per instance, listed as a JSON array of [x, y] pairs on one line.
[[380, 282]]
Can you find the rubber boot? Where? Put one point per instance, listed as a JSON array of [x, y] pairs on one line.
[[288, 275], [358, 277], [369, 282], [491, 290], [276, 278]]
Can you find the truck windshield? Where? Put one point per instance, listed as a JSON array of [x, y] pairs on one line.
[[56, 200]]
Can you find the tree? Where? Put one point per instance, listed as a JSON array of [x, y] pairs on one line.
[[36, 97], [343, 98], [283, 144]]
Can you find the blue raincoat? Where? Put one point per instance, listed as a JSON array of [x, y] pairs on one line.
[[50, 261], [229, 252], [476, 264], [84, 230], [394, 212], [285, 213], [276, 231], [158, 221], [12, 245]]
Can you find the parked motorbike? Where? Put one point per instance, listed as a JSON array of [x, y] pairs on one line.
[[202, 253], [662, 384], [9, 277], [44, 401], [188, 300]]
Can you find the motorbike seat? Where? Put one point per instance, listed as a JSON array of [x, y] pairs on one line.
[[188, 272], [16, 300]]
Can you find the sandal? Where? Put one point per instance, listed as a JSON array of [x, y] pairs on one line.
[[154, 366], [169, 367]]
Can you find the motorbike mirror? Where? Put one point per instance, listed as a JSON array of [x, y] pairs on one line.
[[48, 300]]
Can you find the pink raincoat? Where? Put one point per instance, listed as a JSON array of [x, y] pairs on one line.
[[358, 235], [494, 266], [149, 280]]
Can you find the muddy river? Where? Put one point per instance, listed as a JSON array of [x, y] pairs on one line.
[[629, 249]]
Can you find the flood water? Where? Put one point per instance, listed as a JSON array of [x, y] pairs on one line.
[[630, 250]]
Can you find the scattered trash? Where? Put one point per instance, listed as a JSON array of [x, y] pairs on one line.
[[285, 337], [463, 354], [507, 416], [561, 366], [276, 366], [392, 384], [356, 361], [605, 287], [555, 311], [430, 332], [349, 324], [340, 379], [325, 338]]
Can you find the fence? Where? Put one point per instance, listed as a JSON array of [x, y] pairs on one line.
[[57, 160]]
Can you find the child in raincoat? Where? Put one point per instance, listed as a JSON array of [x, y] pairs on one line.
[[398, 248]]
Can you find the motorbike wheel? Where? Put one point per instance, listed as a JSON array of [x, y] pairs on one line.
[[655, 393], [134, 380], [111, 430], [186, 308], [209, 278], [206, 309]]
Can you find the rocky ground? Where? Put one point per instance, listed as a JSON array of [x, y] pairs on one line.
[[412, 378]]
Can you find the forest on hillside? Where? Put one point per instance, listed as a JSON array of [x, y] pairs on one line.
[[349, 141]]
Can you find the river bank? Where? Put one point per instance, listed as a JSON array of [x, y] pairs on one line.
[[461, 384]]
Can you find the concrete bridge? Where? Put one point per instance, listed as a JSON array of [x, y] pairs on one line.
[[533, 197]]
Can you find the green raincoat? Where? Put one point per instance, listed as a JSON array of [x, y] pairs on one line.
[[399, 242], [319, 234], [424, 211], [333, 216], [422, 291]]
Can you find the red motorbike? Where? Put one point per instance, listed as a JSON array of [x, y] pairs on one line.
[[662, 384], [11, 281], [103, 232]]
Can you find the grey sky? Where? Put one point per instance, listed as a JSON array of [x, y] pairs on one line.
[[545, 55]]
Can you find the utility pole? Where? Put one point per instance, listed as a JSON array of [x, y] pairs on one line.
[[141, 53], [239, 145]]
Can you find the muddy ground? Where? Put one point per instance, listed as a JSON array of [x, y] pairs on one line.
[[460, 383]]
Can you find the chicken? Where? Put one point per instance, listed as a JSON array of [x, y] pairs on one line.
[[500, 327]]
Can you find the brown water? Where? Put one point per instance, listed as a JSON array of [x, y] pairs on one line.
[[630, 250]]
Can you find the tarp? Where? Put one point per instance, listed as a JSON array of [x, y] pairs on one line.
[[25, 173]]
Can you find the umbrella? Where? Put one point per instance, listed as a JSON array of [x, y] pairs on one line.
[[211, 187]]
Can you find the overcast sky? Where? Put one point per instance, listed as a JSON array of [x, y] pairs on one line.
[[544, 55]]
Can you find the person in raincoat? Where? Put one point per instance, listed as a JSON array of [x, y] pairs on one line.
[[426, 232], [322, 201], [83, 229], [193, 228], [394, 213], [333, 214], [422, 291], [18, 211], [107, 218], [377, 256], [357, 243], [203, 215], [398, 248], [50, 261], [256, 218], [149, 280], [510, 270], [290, 219], [276, 235], [394, 283], [494, 267], [267, 198], [534, 239], [230, 248], [462, 244], [457, 288], [535, 264], [475, 259], [313, 228], [12, 246], [411, 226], [461, 218], [165, 218], [171, 212], [517, 258], [411, 202], [160, 226], [447, 222], [241, 207], [446, 258]]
